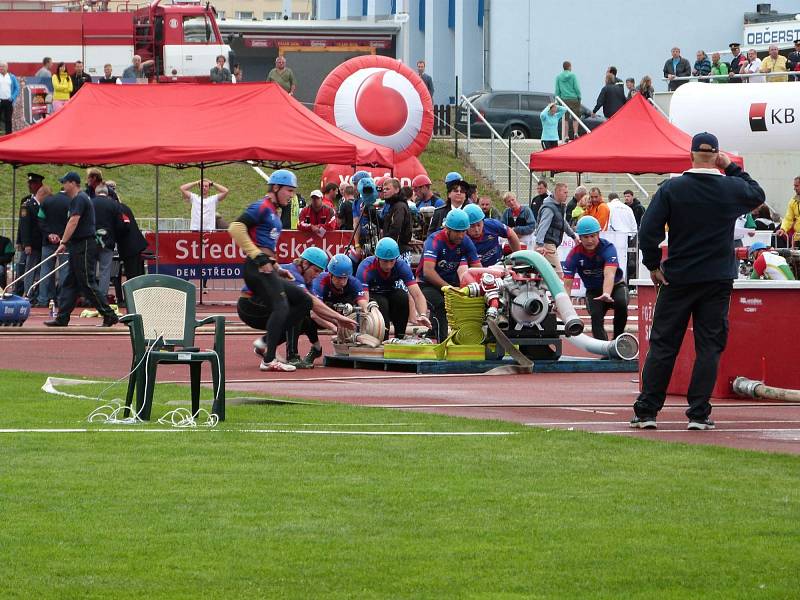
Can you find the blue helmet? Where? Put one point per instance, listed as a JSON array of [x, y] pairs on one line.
[[387, 249], [756, 247], [475, 213], [457, 220], [283, 177], [340, 266], [452, 176], [587, 225], [358, 176], [367, 190], [316, 256]]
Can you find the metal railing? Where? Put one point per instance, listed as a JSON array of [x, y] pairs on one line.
[[767, 76], [586, 128], [498, 152]]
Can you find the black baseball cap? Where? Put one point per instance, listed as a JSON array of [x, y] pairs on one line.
[[705, 139], [734, 45], [35, 177], [70, 176]]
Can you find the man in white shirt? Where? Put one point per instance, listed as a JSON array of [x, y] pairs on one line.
[[204, 209], [621, 217]]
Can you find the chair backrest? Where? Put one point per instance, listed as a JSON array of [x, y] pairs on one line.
[[167, 307]]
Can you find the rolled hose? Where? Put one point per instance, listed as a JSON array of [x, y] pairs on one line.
[[624, 347], [566, 312], [757, 389], [465, 316]]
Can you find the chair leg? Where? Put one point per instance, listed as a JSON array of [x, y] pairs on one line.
[[194, 373], [218, 381], [132, 378], [147, 397]]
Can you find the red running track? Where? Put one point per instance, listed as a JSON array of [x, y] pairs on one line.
[[598, 403]]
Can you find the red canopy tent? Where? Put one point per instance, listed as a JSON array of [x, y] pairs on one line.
[[182, 124], [637, 139]]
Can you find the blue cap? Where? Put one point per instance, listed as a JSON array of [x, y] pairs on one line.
[[70, 176], [705, 139]]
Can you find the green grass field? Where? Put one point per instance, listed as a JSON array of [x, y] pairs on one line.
[[137, 188], [235, 514]]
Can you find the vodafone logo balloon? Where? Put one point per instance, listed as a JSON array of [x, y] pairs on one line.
[[379, 99]]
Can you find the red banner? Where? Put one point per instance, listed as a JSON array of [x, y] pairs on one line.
[[183, 253]]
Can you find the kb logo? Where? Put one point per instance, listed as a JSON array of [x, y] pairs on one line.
[[776, 116]]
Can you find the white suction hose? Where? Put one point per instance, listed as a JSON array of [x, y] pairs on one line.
[[624, 347], [756, 389]]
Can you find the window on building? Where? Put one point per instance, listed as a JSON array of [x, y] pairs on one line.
[[273, 15], [301, 16], [505, 101], [197, 30], [244, 14]]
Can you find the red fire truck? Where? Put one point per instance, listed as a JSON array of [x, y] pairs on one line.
[[181, 38]]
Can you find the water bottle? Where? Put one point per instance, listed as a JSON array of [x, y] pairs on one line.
[[52, 308]]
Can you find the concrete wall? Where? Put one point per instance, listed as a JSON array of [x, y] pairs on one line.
[[775, 172], [531, 38]]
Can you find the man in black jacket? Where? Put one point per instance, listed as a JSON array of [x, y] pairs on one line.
[[700, 207], [611, 97], [130, 245], [636, 206], [793, 61], [108, 221], [676, 66], [397, 223], [31, 238], [53, 214]]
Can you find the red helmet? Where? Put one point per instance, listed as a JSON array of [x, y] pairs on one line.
[[420, 180]]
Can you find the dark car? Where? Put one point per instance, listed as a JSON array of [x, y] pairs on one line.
[[512, 114]]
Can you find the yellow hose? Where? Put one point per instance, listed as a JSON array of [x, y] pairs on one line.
[[465, 315]]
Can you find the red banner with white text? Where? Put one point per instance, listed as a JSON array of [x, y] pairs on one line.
[[184, 254]]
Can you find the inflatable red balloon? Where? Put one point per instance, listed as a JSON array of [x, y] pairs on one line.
[[379, 99]]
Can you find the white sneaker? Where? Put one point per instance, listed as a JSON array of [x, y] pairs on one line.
[[277, 365]]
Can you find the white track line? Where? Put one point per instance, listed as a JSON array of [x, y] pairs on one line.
[[298, 431], [607, 423], [589, 410], [561, 406]]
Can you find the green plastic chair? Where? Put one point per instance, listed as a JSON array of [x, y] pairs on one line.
[[161, 317]]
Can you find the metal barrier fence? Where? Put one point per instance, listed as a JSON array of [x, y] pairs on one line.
[[495, 156]]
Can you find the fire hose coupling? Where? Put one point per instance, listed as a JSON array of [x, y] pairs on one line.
[[344, 309], [746, 387]]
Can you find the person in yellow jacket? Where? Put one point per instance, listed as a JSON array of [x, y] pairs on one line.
[[775, 63], [62, 87], [791, 221]]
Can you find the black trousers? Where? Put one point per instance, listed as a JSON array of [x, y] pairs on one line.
[[707, 304], [394, 308], [82, 280], [598, 309], [284, 306], [435, 298], [6, 110]]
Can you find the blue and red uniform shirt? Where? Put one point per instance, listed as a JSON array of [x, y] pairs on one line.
[[447, 257], [299, 281], [370, 274], [488, 246], [322, 288], [590, 265], [434, 201], [263, 223]]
